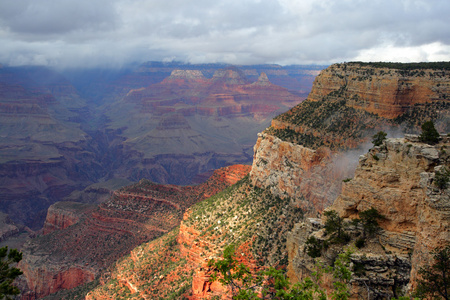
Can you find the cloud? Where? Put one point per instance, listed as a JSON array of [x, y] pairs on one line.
[[115, 32]]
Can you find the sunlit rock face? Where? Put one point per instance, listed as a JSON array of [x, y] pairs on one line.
[[396, 179], [386, 92]]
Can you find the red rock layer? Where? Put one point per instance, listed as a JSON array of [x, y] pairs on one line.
[[382, 91], [227, 93]]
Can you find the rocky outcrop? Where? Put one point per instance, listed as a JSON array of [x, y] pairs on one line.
[[396, 179], [350, 102], [63, 214]]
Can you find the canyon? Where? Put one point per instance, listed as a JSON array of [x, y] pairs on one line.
[[300, 169], [81, 240], [312, 159], [78, 135]]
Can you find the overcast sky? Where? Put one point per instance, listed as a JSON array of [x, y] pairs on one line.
[[116, 32]]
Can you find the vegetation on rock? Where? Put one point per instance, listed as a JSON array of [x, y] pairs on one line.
[[429, 133], [378, 138], [442, 178], [435, 279], [8, 272], [335, 228], [442, 65], [273, 284]]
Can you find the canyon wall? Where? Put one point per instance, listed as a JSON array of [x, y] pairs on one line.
[[300, 165], [396, 179], [311, 178], [386, 92]]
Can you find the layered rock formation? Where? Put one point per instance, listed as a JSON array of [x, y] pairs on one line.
[[191, 120], [385, 91], [396, 179], [82, 240], [349, 102], [249, 217], [307, 151], [55, 142]]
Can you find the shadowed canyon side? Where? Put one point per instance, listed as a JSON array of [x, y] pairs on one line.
[[299, 166], [80, 241], [42, 146], [65, 133]]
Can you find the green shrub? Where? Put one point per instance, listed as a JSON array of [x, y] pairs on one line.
[[378, 138], [313, 247], [442, 178], [429, 133], [359, 243]]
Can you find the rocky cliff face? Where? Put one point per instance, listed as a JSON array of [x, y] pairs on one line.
[[386, 92], [307, 152], [312, 178], [350, 102], [397, 180]]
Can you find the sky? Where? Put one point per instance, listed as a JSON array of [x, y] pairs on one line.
[[90, 33]]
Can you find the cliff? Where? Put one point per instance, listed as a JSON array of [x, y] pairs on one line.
[[300, 165], [396, 179], [350, 102], [312, 178], [386, 91], [81, 240]]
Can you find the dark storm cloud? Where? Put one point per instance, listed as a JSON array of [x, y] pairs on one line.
[[66, 32]]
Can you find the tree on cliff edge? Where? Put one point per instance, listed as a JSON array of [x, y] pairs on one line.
[[8, 273], [429, 133]]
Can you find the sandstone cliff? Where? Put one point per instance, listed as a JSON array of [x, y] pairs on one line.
[[349, 102], [312, 178], [385, 91], [396, 179]]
